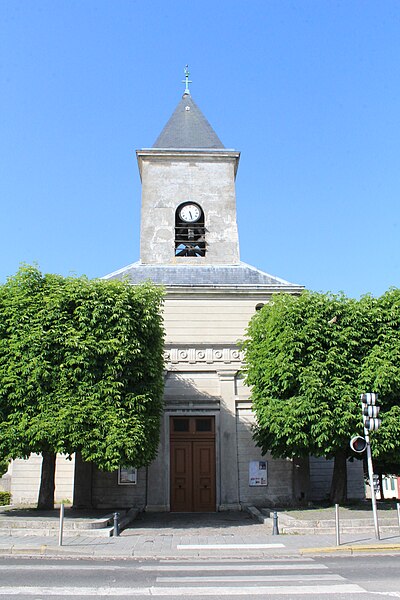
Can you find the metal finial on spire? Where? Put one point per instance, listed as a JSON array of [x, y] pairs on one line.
[[186, 81]]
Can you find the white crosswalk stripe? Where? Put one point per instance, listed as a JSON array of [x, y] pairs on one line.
[[254, 578], [271, 566], [129, 592], [258, 591], [228, 546]]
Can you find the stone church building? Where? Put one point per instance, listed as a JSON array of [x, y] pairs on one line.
[[207, 460]]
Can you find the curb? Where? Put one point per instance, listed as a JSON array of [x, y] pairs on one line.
[[57, 553], [351, 550], [44, 550]]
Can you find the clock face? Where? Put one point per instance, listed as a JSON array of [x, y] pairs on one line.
[[190, 213]]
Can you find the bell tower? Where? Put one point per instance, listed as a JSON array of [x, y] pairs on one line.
[[188, 193], [190, 246]]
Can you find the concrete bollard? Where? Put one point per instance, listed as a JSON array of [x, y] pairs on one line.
[[275, 530]]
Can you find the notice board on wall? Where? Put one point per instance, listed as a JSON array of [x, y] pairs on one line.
[[258, 472]]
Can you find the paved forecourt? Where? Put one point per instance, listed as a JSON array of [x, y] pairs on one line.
[[173, 536]]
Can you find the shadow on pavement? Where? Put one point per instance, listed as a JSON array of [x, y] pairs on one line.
[[167, 520]]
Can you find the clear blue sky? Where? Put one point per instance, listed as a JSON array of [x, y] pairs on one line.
[[308, 91]]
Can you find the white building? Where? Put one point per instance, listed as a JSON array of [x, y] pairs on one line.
[[207, 460]]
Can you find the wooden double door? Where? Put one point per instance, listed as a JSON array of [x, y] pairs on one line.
[[192, 464]]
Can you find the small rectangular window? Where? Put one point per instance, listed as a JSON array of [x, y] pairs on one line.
[[181, 425], [203, 425], [127, 476]]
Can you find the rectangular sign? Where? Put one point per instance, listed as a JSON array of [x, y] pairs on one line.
[[257, 472], [127, 476]]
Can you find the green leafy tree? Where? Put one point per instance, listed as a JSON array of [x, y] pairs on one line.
[[308, 359], [4, 463], [382, 374], [81, 369]]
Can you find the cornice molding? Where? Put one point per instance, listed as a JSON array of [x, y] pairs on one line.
[[203, 291], [199, 154]]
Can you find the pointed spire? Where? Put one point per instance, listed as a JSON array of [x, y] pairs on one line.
[[186, 81], [187, 127]]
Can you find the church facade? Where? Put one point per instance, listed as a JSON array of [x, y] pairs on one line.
[[207, 460]]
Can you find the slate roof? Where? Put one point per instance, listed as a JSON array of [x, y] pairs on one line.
[[219, 276], [188, 128]]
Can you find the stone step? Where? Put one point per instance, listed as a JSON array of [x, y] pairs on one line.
[[348, 522], [46, 532], [328, 524], [32, 523], [47, 524], [103, 527], [332, 530], [291, 526]]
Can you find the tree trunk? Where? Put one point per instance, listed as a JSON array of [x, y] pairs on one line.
[[338, 493], [380, 479], [47, 481]]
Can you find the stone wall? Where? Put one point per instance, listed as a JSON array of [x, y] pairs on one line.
[[26, 479], [321, 475], [203, 320], [279, 488], [171, 178], [107, 493]]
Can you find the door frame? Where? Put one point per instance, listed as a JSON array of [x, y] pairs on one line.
[[190, 414]]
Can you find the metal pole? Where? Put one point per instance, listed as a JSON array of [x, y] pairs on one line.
[[60, 536], [371, 484], [275, 530], [116, 524], [398, 513], [337, 524]]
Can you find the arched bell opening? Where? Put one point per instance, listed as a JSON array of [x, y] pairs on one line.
[[189, 230]]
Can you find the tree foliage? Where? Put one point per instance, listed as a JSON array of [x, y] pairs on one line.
[[381, 373], [81, 368], [308, 359]]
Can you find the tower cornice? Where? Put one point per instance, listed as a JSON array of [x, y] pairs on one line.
[[200, 154]]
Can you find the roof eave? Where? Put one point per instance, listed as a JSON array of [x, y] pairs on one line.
[[259, 290]]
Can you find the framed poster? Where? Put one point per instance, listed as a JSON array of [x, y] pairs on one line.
[[257, 472], [127, 476]]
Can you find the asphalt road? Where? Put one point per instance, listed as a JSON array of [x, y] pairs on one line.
[[291, 578]]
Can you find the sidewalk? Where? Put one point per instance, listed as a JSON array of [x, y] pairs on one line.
[[225, 535]]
